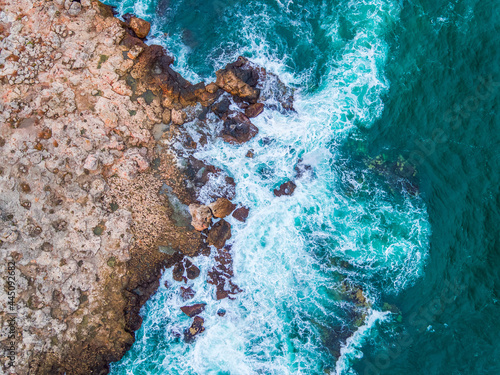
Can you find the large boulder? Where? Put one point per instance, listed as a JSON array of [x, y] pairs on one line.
[[193, 310], [240, 79], [139, 26], [222, 207], [238, 129], [219, 234], [202, 216], [253, 110], [241, 214]]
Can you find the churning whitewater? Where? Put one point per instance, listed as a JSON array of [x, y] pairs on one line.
[[344, 223]]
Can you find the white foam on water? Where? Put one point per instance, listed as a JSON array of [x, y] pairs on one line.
[[290, 299]]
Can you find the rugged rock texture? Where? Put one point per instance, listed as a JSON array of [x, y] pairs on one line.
[[97, 174], [222, 207], [202, 216], [219, 234], [88, 195]]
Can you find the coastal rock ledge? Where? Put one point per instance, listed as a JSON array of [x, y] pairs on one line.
[[95, 190]]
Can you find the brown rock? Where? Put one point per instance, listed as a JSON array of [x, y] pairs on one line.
[[195, 329], [140, 27], [193, 309], [250, 154], [178, 116], [178, 272], [46, 133], [241, 214], [221, 312], [286, 188], [166, 116], [238, 129], [219, 234], [254, 110], [239, 79], [212, 88], [222, 207], [202, 216], [192, 271]]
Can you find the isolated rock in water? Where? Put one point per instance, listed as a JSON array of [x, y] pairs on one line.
[[195, 329], [286, 188], [238, 129], [240, 79], [241, 214], [192, 271], [221, 312], [219, 234], [254, 110], [139, 26], [193, 309], [222, 207], [202, 216]]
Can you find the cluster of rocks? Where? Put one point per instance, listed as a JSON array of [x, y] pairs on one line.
[[214, 235]]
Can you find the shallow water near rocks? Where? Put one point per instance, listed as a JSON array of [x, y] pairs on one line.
[[395, 114]]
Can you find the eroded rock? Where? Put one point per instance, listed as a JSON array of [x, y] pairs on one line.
[[195, 329], [238, 129], [202, 216], [219, 234], [222, 207]]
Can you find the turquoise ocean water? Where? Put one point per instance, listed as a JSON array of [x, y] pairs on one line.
[[397, 114]]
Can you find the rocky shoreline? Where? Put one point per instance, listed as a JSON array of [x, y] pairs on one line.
[[100, 191]]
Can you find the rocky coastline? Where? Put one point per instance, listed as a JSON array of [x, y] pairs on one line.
[[100, 191]]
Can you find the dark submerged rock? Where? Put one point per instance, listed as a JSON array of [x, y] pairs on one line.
[[286, 188]]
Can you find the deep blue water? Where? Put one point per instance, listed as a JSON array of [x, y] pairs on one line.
[[397, 113]]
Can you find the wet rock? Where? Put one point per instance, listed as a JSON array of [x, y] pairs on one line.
[[301, 169], [187, 293], [241, 214], [250, 154], [139, 26], [238, 129], [202, 216], [220, 275], [239, 79], [193, 309], [192, 272], [286, 188], [254, 110], [219, 234], [222, 107], [195, 329], [221, 312], [222, 207], [178, 272]]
